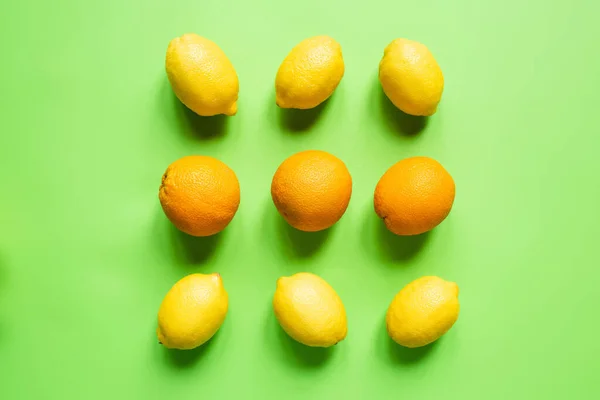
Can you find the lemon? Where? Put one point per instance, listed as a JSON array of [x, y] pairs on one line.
[[423, 311], [411, 78], [309, 310], [310, 73], [202, 76], [192, 311]]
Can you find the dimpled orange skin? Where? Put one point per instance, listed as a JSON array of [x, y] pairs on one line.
[[200, 195], [311, 190], [414, 196]]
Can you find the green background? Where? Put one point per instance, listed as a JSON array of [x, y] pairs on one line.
[[89, 124]]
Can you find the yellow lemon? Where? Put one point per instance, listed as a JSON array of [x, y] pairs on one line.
[[309, 310], [411, 78], [423, 311], [192, 311], [202, 76], [310, 73]]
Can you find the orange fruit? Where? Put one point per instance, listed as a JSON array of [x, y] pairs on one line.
[[200, 195], [311, 190], [414, 196]]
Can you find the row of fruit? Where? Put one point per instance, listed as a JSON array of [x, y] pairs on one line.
[[308, 309], [311, 190], [204, 79]]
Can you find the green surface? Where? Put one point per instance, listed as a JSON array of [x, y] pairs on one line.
[[89, 124]]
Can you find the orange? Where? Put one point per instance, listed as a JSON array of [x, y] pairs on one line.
[[311, 190], [414, 196], [200, 195]]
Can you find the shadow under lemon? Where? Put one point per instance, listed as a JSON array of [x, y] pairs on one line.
[[397, 120], [401, 355], [293, 352], [293, 120], [183, 359], [196, 126], [188, 358], [405, 355]]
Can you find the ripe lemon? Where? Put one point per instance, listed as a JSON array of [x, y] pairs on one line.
[[309, 310], [202, 76], [310, 73], [414, 196], [422, 311], [411, 78], [200, 195], [311, 190], [192, 311]]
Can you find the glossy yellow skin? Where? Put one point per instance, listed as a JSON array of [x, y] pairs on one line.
[[310, 73], [202, 76], [411, 78], [423, 311], [192, 311], [309, 310]]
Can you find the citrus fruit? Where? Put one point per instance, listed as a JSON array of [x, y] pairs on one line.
[[309, 310], [310, 73], [311, 190], [414, 196], [199, 194], [202, 76], [422, 311], [411, 78], [192, 311]]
